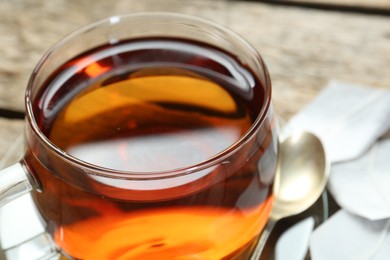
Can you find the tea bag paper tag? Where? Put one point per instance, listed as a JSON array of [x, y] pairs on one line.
[[347, 118], [349, 237], [362, 186]]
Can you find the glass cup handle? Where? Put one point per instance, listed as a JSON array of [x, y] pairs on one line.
[[15, 181]]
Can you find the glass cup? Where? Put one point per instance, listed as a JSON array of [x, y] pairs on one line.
[[149, 136]]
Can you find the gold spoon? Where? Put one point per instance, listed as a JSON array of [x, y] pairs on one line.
[[301, 177]]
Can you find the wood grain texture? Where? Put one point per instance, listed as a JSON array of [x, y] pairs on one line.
[[385, 4], [304, 48], [11, 138]]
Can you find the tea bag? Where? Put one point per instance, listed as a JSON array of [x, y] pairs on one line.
[[347, 118], [362, 186], [294, 242], [349, 237]]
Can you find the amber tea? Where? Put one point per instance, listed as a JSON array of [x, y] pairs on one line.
[[149, 106]]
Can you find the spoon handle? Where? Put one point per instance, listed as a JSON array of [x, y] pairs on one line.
[[263, 239]]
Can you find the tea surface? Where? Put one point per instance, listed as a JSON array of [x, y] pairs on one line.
[[149, 105]]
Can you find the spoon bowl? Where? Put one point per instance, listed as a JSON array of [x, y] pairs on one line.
[[301, 177], [302, 174]]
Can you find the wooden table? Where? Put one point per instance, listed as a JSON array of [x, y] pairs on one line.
[[303, 47]]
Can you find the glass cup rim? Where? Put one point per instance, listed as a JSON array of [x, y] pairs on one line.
[[135, 175]]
